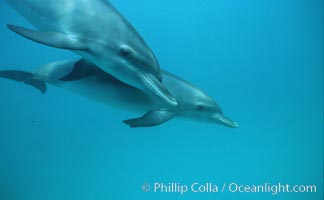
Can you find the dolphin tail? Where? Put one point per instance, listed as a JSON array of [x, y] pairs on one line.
[[151, 118], [25, 77]]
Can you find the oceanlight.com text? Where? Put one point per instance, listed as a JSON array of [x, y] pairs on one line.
[[273, 189]]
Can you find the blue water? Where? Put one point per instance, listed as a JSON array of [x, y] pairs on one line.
[[261, 60]]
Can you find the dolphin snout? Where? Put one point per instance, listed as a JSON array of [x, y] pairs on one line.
[[221, 119]]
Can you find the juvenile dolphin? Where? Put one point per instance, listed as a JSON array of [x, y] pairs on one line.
[[86, 79], [95, 30]]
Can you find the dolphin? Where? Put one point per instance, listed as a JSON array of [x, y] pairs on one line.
[[86, 79], [96, 31]]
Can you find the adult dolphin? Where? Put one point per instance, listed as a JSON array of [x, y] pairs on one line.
[[86, 79], [95, 30]]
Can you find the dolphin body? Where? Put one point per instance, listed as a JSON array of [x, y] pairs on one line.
[[88, 80], [96, 31]]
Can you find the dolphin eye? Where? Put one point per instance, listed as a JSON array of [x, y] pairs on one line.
[[200, 107], [125, 51]]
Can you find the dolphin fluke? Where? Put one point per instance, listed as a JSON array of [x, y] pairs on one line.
[[25, 77], [151, 118], [53, 39]]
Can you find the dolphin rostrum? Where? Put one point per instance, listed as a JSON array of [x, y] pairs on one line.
[[86, 79], [95, 30]]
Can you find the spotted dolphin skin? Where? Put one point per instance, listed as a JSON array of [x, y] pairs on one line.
[[96, 31], [88, 80]]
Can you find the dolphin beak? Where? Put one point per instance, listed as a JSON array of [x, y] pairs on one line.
[[221, 119]]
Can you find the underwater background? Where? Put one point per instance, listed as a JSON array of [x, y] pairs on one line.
[[262, 61]]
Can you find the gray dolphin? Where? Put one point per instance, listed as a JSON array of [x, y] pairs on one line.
[[86, 79], [95, 30]]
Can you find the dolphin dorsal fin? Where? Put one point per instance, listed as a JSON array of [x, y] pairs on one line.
[[53, 39], [81, 69]]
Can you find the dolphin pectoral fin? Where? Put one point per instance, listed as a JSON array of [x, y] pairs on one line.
[[151, 118], [53, 39], [156, 88], [24, 77]]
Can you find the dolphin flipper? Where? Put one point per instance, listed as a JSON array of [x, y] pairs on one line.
[[53, 39], [155, 87], [24, 77], [151, 118]]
